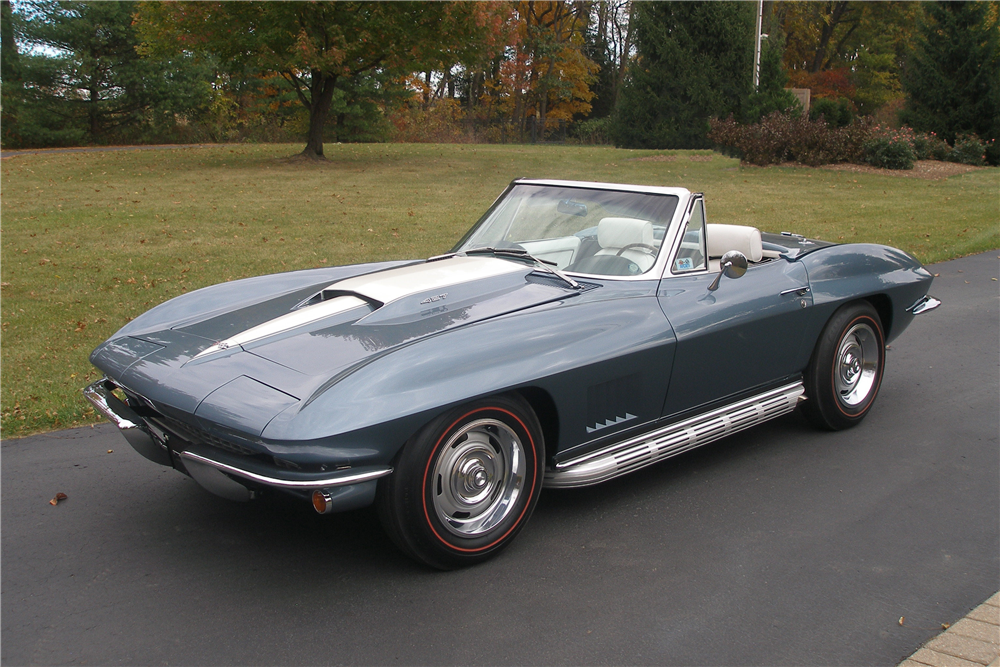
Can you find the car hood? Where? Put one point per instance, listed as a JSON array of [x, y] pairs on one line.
[[243, 366]]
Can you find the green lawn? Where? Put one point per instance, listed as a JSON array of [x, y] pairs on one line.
[[90, 240]]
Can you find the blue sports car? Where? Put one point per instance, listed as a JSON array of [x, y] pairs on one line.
[[579, 331]]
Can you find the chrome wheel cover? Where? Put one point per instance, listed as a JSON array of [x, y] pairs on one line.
[[856, 367], [478, 477]]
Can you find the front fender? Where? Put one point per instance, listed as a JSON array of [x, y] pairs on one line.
[[561, 347]]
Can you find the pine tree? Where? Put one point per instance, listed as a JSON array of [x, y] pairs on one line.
[[85, 81], [952, 79], [694, 62], [771, 94], [10, 77]]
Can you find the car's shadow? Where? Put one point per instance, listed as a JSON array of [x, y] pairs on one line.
[[277, 533]]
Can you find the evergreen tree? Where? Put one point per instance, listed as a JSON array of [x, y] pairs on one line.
[[85, 81], [10, 76], [771, 94], [952, 79], [694, 62]]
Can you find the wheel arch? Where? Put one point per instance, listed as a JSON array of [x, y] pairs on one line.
[[883, 306], [548, 415]]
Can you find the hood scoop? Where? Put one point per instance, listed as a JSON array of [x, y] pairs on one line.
[[312, 311], [387, 308], [388, 286]]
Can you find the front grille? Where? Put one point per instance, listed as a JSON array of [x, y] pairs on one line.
[[198, 436], [179, 430]]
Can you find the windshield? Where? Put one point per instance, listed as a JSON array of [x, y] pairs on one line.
[[596, 232]]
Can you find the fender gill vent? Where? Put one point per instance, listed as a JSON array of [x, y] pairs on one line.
[[608, 403]]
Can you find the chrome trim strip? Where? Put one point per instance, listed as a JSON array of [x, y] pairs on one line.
[[343, 479], [924, 304], [643, 450]]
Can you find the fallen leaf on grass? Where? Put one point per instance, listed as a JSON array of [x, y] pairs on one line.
[[59, 496]]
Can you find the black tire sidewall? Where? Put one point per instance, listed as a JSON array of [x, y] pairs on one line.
[[824, 408]]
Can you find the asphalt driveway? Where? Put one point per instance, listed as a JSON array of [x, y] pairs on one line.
[[777, 546]]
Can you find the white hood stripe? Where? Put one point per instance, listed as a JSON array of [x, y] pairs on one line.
[[296, 318], [387, 286], [384, 287]]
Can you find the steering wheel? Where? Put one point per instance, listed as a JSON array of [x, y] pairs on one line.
[[640, 246]]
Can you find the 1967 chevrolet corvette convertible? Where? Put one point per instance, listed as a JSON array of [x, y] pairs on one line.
[[578, 332]]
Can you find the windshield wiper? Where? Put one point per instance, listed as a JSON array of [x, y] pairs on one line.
[[521, 253]]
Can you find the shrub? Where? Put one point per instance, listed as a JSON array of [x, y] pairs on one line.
[[993, 153], [930, 147], [836, 113], [889, 151], [969, 149], [596, 131], [780, 136]]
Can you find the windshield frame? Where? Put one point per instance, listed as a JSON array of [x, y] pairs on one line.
[[655, 272]]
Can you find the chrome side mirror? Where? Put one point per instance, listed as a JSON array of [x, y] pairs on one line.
[[734, 265]]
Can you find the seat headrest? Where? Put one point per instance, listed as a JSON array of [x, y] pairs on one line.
[[723, 238], [620, 232]]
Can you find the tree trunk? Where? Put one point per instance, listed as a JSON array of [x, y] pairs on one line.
[[93, 112], [836, 15], [321, 90]]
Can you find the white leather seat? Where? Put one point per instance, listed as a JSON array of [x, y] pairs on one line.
[[613, 234], [723, 238]]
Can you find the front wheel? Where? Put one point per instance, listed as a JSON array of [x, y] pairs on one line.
[[845, 372], [466, 484]]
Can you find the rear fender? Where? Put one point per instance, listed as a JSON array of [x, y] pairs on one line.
[[891, 279]]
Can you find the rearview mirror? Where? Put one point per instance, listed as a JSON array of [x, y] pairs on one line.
[[570, 207]]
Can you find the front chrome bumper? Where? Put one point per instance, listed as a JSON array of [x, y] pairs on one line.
[[136, 430], [347, 489]]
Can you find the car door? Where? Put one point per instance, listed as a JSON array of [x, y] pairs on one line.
[[741, 336]]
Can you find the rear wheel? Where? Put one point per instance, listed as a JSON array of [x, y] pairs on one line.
[[845, 372], [466, 484]]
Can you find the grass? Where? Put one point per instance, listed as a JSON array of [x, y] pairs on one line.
[[90, 240]]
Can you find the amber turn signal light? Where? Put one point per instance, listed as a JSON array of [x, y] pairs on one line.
[[321, 501]]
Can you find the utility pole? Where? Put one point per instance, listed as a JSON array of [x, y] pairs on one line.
[[756, 51]]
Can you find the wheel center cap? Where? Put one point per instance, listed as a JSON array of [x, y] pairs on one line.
[[851, 366], [474, 476]]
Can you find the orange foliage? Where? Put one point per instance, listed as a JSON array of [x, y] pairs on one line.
[[830, 84]]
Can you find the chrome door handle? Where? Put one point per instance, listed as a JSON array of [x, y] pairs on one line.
[[796, 290]]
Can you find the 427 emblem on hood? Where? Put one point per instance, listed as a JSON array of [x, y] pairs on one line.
[[432, 299]]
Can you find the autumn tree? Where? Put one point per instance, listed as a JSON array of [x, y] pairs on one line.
[[847, 49], [316, 46]]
